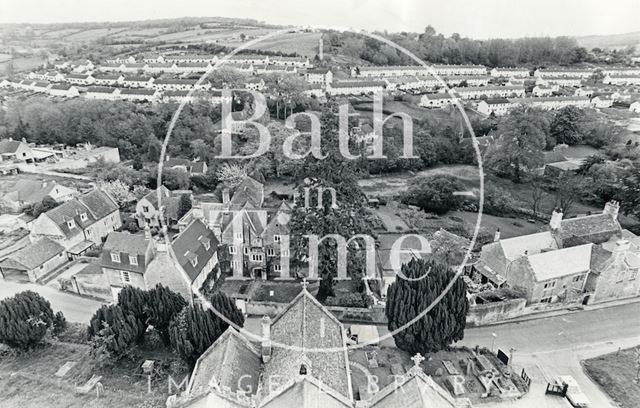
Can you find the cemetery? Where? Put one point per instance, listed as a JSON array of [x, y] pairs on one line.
[[476, 374]]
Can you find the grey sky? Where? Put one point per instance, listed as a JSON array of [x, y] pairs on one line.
[[478, 19]]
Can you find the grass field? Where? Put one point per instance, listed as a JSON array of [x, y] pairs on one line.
[[615, 373], [22, 64], [28, 379], [304, 44]]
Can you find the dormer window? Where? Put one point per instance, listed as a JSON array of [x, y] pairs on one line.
[[83, 216], [133, 260], [194, 261], [71, 224], [276, 238], [115, 257], [232, 250], [303, 369]]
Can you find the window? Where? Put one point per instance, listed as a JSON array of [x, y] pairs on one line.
[[115, 257], [246, 250], [83, 216], [238, 235], [633, 274], [578, 278], [549, 285], [232, 250], [235, 264], [277, 268], [256, 257], [71, 224], [546, 300], [194, 261], [145, 208], [126, 277], [133, 260], [270, 252], [276, 238], [285, 253], [207, 244]]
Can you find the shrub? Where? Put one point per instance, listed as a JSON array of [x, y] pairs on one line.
[[59, 324], [113, 332], [24, 320]]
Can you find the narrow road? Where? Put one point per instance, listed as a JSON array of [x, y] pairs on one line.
[[75, 308]]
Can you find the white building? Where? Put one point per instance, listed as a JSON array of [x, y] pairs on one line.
[[602, 101], [64, 90], [489, 92], [635, 107], [108, 79], [80, 79], [322, 76], [621, 80], [103, 93], [438, 100], [178, 84], [139, 94], [510, 72], [495, 106], [543, 90], [575, 81], [622, 71], [555, 102], [138, 81], [564, 72], [255, 84], [355, 87]]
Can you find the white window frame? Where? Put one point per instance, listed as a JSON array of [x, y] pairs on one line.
[[277, 268], [125, 276], [271, 252], [245, 250], [194, 262], [71, 224], [133, 260], [83, 216], [115, 257], [233, 250], [276, 238], [257, 257]]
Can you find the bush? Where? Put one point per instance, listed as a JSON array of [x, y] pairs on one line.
[[434, 193], [24, 320], [59, 324]]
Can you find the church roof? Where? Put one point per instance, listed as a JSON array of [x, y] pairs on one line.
[[416, 390]]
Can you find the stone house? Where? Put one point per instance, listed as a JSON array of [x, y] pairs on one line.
[[15, 150], [79, 223], [148, 210], [33, 261]]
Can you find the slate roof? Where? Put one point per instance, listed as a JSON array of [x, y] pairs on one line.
[[96, 205], [125, 244], [137, 91], [416, 390], [224, 363], [561, 262], [61, 87], [189, 243], [305, 391], [596, 228], [9, 146], [249, 190], [33, 255], [101, 89], [514, 248], [306, 325], [29, 191]]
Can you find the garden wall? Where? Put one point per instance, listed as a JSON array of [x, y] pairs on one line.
[[495, 311]]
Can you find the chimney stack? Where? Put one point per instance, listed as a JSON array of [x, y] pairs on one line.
[[147, 231], [225, 196], [556, 219], [266, 338], [612, 208], [496, 236]]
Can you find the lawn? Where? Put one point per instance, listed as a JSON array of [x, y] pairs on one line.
[[28, 379], [304, 44], [615, 373]]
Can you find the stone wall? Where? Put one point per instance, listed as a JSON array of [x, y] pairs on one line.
[[495, 311]]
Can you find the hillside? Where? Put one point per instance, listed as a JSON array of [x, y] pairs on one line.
[[610, 41]]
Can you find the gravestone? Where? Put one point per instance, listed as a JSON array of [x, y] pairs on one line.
[[64, 369], [89, 385], [455, 384], [451, 369], [147, 366]]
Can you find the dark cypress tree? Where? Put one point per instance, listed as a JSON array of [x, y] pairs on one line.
[[194, 329], [419, 285], [114, 330], [24, 319], [134, 301], [162, 305], [184, 205]]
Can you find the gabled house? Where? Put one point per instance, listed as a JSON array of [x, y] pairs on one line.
[[148, 211], [64, 90], [79, 223], [125, 258], [190, 166], [33, 261], [185, 263], [24, 193], [15, 150]]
